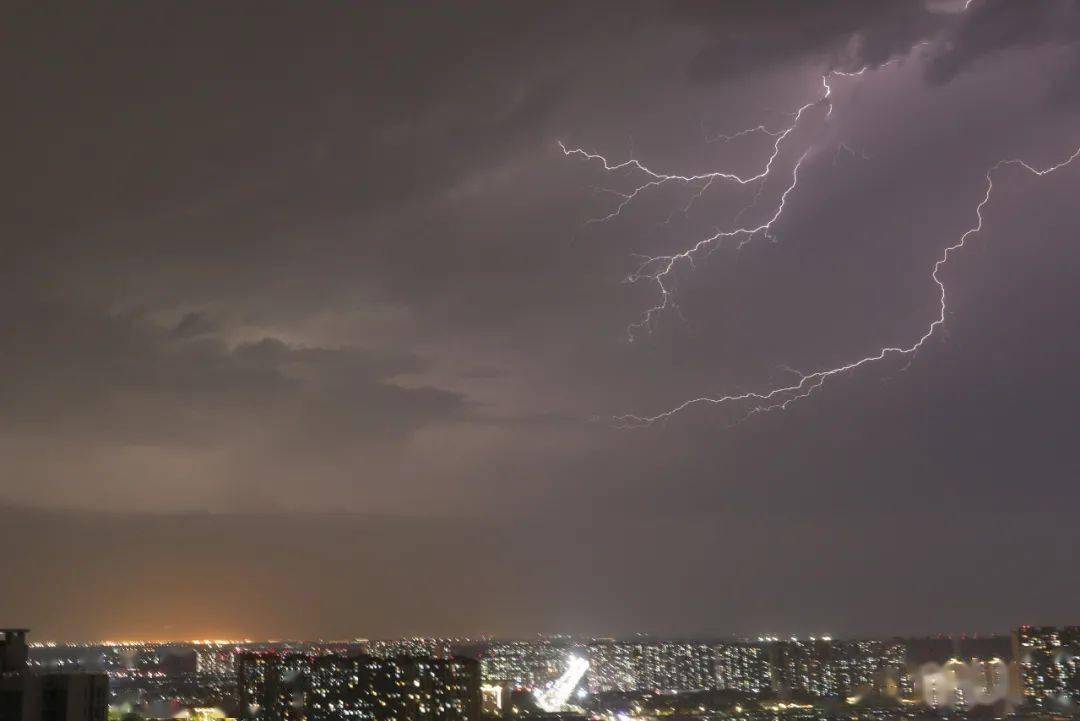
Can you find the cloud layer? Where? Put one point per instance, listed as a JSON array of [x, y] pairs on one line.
[[331, 260]]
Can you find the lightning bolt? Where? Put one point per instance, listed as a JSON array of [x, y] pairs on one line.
[[724, 138], [845, 148], [656, 179], [781, 397], [660, 269]]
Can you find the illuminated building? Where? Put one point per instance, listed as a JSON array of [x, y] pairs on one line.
[[28, 695], [215, 662], [1048, 662], [272, 686], [824, 667], [492, 697], [403, 688], [743, 667], [991, 679], [614, 666], [524, 664], [820, 667], [677, 666], [657, 665], [961, 685], [430, 647]]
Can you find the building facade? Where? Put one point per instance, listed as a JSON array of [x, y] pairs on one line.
[[1048, 659], [524, 664], [403, 688], [613, 666], [829, 668], [272, 686], [27, 695], [745, 667], [655, 665]]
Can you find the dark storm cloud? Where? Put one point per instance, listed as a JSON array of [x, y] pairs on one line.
[[194, 324], [996, 26], [119, 355], [755, 36], [121, 381], [849, 35], [292, 259]]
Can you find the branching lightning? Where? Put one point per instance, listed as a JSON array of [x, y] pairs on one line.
[[780, 397], [660, 269]]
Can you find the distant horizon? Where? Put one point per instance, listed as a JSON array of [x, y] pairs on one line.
[[571, 638]]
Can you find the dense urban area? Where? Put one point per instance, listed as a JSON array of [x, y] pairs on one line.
[[1033, 673]]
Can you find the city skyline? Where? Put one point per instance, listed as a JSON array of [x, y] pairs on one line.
[[552, 637], [1031, 674], [1027, 663]]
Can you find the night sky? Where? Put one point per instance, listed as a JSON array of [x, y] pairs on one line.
[[306, 331]]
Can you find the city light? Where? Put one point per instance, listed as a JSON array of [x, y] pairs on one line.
[[554, 697]]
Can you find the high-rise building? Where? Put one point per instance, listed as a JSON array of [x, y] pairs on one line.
[[403, 688], [524, 664], [1048, 658], [743, 666], [677, 666], [27, 695], [13, 650], [613, 666], [658, 665], [961, 684], [825, 667], [419, 646], [215, 661], [272, 686]]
